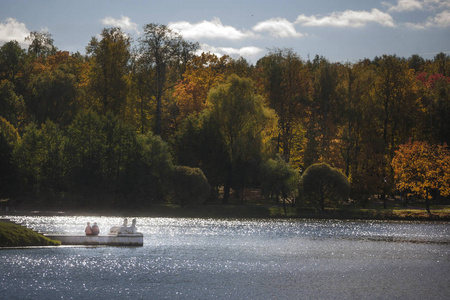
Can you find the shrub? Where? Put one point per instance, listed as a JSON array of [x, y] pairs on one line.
[[324, 186], [190, 186]]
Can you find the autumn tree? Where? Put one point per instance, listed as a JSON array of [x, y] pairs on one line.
[[322, 111], [110, 67], [421, 169], [242, 120], [52, 90], [357, 137], [396, 94], [203, 72], [286, 85], [161, 50], [435, 102]]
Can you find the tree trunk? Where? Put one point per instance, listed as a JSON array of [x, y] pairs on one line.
[[427, 203], [227, 187]]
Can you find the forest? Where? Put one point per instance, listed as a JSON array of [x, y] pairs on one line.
[[137, 123]]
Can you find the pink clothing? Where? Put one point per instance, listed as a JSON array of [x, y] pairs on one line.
[[88, 230]]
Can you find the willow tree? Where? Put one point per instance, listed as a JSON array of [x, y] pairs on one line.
[[242, 119]]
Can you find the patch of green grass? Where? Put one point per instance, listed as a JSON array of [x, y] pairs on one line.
[[12, 235]]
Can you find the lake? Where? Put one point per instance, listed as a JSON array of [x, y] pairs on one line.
[[235, 259]]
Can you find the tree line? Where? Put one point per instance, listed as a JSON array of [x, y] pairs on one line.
[[138, 123]]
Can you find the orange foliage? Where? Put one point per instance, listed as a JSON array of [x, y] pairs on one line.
[[421, 168], [202, 73]]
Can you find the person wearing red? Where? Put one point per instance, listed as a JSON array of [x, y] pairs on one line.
[[88, 229]]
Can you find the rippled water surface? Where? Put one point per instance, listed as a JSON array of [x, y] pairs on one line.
[[235, 259]]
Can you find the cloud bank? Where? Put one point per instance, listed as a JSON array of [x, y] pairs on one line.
[[348, 18], [413, 5], [209, 29]]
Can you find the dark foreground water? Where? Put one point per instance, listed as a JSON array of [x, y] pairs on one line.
[[235, 259]]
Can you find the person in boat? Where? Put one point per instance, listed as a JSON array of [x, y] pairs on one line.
[[95, 229], [132, 228], [88, 229]]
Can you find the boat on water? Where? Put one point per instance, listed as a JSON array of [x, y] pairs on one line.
[[118, 236]]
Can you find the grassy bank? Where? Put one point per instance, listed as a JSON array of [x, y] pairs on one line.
[[12, 235]]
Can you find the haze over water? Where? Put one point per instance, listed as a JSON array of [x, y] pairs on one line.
[[236, 259]]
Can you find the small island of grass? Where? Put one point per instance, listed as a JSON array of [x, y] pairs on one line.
[[12, 235]]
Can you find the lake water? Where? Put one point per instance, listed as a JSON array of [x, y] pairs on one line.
[[236, 259]]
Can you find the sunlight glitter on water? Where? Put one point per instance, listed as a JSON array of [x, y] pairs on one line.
[[235, 259], [421, 232]]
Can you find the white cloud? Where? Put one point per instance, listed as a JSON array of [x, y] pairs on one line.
[[412, 5], [405, 5], [11, 29], [277, 27], [441, 20], [348, 18], [124, 23], [208, 29], [246, 52]]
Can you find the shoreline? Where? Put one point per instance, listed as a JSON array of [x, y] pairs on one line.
[[250, 212]]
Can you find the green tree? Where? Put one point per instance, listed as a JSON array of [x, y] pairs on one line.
[[51, 96], [279, 180], [40, 158], [12, 106], [99, 150], [110, 69], [9, 138], [11, 59], [147, 176], [242, 120], [199, 144], [84, 154], [323, 185]]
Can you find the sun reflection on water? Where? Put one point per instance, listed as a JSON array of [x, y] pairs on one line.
[[237, 259]]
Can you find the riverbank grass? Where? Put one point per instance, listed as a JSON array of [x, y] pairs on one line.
[[12, 235]]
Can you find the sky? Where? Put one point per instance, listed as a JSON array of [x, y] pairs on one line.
[[339, 30]]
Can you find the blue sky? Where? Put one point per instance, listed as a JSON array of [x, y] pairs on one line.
[[340, 30]]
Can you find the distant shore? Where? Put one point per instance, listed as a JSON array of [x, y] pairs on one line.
[[250, 211]]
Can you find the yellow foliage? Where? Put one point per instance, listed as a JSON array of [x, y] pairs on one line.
[[421, 168], [202, 73]]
